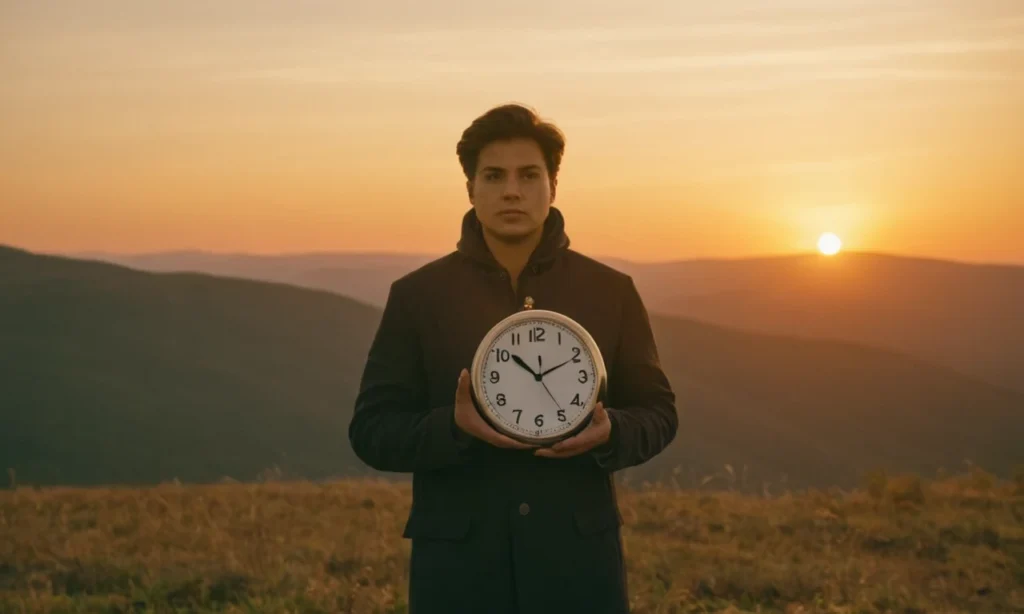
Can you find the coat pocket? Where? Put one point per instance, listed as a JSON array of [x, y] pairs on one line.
[[437, 525], [597, 520]]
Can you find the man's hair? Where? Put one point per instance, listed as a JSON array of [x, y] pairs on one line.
[[505, 122]]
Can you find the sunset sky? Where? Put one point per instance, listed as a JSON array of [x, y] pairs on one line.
[[695, 129]]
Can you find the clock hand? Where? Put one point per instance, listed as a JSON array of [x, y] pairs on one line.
[[555, 367], [519, 361], [551, 395]]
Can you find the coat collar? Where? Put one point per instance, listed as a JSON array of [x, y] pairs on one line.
[[553, 241]]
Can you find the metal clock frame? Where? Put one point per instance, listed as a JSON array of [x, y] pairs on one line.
[[528, 313]]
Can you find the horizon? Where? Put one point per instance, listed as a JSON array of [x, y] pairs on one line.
[[734, 131], [845, 253]]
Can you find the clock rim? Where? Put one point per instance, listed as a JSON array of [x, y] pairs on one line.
[[601, 372]]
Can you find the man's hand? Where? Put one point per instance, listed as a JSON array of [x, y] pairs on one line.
[[596, 433], [472, 423]]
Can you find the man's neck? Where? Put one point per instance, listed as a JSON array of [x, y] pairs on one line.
[[513, 256]]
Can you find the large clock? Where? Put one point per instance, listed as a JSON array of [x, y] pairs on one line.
[[537, 376]]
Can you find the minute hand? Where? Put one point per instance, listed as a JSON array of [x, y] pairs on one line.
[[552, 396], [555, 367]]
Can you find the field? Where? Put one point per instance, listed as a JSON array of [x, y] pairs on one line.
[[899, 544]]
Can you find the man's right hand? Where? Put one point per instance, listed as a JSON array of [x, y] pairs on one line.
[[472, 423]]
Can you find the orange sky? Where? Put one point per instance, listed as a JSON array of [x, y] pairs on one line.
[[744, 127]]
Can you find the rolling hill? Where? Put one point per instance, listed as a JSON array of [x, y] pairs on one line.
[[113, 375], [967, 316], [365, 277], [964, 316]]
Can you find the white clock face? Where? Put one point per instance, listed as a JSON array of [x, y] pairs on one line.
[[538, 379]]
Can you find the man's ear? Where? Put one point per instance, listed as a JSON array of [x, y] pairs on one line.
[[469, 189], [554, 188]]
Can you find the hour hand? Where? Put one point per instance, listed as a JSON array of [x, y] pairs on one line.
[[519, 361]]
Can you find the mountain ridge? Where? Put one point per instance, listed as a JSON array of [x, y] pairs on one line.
[[128, 376]]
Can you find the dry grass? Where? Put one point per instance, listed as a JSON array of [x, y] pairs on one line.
[[899, 545]]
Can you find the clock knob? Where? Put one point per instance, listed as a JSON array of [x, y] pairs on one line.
[[528, 303]]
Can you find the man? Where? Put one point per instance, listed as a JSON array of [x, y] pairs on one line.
[[497, 526]]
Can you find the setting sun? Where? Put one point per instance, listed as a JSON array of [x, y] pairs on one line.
[[829, 244]]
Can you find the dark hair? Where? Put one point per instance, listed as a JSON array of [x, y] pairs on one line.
[[510, 121]]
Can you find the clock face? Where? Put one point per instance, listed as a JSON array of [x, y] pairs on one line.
[[538, 379]]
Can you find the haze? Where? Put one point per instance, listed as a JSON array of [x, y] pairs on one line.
[[725, 130]]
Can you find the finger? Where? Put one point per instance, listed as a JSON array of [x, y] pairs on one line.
[[576, 440], [482, 429], [574, 445], [462, 391], [504, 441], [577, 445], [485, 431], [549, 453], [599, 416]]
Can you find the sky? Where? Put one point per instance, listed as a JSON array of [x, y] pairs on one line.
[[726, 129]]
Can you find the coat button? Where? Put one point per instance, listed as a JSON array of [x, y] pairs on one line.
[[524, 509]]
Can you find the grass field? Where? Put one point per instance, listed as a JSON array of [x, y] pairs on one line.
[[899, 544]]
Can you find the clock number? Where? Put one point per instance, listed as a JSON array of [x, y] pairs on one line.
[[576, 400], [559, 337], [502, 355], [539, 420], [561, 415], [576, 354], [536, 334], [501, 400], [515, 338], [583, 376], [495, 376], [518, 413]]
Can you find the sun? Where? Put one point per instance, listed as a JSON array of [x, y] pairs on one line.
[[829, 244]]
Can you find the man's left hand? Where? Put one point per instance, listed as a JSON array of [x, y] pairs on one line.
[[596, 433]]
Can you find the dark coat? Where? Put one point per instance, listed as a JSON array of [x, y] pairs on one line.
[[497, 530]]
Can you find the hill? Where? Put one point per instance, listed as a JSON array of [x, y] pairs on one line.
[[964, 316], [116, 376], [779, 409], [362, 276], [112, 375]]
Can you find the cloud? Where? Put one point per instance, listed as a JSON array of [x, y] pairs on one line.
[[343, 69]]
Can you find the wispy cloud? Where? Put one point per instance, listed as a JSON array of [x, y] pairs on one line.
[[780, 109], [344, 69], [734, 171], [645, 33]]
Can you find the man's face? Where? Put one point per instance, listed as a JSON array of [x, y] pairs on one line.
[[511, 190]]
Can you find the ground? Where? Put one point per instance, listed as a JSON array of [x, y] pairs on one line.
[[899, 544]]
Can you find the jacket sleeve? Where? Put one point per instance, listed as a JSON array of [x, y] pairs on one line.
[[641, 404], [392, 428]]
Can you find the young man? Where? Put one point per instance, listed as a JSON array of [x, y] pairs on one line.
[[497, 526]]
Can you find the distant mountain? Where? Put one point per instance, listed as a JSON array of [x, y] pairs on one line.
[[965, 316], [115, 375], [363, 276]]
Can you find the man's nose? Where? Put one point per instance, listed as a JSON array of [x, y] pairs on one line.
[[511, 188]]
